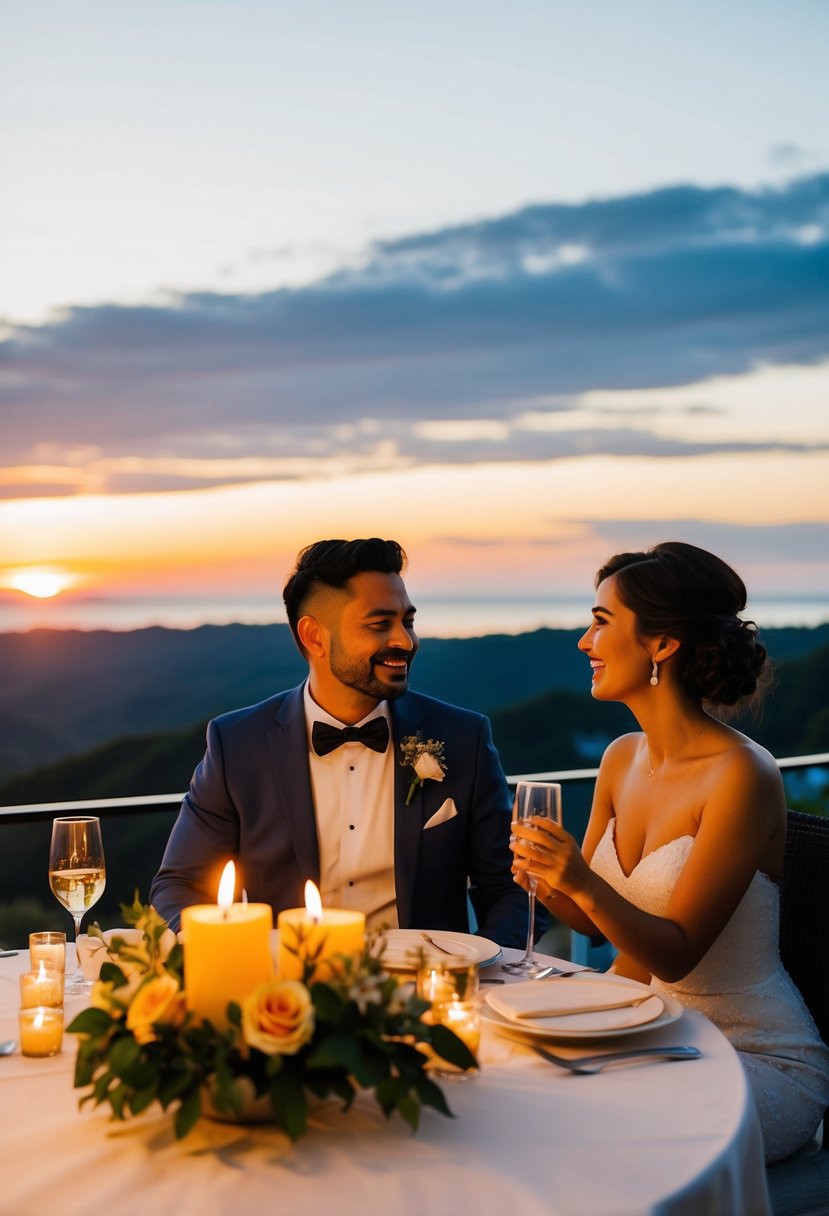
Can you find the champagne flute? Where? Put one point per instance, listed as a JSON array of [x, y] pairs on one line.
[[77, 875], [533, 798]]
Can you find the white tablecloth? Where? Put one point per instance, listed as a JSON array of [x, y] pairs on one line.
[[671, 1139]]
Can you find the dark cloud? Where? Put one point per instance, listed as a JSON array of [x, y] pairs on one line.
[[738, 543], [479, 322]]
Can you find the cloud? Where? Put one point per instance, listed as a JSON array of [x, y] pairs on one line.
[[738, 543], [474, 327]]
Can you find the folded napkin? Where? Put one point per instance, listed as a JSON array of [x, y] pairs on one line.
[[555, 998], [93, 952]]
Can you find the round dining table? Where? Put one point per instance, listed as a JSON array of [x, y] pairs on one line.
[[668, 1138]]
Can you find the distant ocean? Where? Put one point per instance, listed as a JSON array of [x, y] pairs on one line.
[[437, 616]]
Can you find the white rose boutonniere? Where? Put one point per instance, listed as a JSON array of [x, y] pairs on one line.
[[425, 757]]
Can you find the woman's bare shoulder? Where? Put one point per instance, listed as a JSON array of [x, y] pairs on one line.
[[744, 779], [734, 753], [621, 751]]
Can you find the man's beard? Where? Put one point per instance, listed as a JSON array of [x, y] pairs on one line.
[[359, 673]]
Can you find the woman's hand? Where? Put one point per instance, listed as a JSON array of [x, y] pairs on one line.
[[544, 850]]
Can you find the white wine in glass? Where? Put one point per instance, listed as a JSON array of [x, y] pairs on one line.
[[533, 798], [77, 875]]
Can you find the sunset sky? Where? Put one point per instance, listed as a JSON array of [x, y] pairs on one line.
[[520, 286]]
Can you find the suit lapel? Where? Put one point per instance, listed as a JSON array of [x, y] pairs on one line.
[[288, 745], [407, 719]]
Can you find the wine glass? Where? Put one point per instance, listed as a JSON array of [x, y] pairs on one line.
[[533, 798], [77, 875]]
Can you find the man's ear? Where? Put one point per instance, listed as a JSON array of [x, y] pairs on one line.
[[313, 636]]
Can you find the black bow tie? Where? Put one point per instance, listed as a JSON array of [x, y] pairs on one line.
[[374, 734]]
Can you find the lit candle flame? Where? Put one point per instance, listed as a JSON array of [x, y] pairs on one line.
[[227, 886], [39, 1019], [41, 972], [313, 902]]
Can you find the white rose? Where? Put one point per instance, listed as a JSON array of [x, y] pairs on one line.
[[427, 768]]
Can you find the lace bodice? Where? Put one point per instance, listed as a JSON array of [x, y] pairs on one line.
[[747, 950]]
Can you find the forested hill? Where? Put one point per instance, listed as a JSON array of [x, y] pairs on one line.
[[64, 693], [554, 729]]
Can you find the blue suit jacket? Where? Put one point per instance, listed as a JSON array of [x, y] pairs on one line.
[[250, 799]]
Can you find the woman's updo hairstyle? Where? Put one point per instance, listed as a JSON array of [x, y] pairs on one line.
[[679, 591]]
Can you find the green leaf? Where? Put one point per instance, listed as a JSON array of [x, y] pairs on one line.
[[172, 1085], [140, 1100], [409, 1108], [86, 1061], [451, 1048], [101, 1087], [187, 1114], [391, 1092], [328, 1003], [339, 1049], [432, 1095], [95, 1022], [290, 1105], [123, 1054], [111, 973], [116, 1098], [234, 1013]]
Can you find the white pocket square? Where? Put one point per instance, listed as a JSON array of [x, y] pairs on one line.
[[447, 811]]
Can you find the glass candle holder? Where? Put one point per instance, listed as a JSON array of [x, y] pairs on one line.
[[451, 988], [41, 1031], [43, 987], [49, 949]]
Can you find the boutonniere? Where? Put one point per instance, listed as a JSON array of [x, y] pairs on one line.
[[426, 758]]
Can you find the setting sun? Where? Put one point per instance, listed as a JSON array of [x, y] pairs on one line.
[[40, 583]]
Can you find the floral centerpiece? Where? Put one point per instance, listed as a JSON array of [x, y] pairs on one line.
[[286, 1041]]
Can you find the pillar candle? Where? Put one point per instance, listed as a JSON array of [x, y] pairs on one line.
[[41, 1031], [317, 933], [226, 954]]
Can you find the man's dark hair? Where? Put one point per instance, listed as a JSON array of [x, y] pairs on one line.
[[332, 563]]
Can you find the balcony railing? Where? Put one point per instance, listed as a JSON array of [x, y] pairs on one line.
[[145, 804]]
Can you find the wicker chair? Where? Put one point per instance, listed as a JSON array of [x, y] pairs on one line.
[[799, 1186]]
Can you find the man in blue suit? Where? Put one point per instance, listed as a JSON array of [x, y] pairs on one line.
[[313, 783]]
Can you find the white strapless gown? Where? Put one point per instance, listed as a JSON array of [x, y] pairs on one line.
[[742, 986]]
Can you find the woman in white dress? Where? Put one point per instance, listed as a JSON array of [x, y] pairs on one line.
[[684, 847]]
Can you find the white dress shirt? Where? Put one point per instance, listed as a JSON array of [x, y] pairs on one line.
[[353, 792]]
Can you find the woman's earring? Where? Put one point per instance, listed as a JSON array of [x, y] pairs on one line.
[[654, 674]]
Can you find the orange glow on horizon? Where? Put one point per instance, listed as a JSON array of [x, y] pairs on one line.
[[39, 582]]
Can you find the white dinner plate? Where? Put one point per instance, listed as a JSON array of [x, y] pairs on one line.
[[599, 1024], [404, 945]]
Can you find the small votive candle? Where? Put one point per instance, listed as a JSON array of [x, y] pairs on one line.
[[451, 988], [48, 948], [43, 987], [41, 1031], [463, 1018]]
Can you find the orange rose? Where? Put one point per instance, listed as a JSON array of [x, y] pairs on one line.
[[158, 1000], [278, 1017]]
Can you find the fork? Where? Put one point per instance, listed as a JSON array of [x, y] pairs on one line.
[[592, 1064], [437, 945]]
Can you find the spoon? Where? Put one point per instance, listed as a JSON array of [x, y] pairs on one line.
[[7, 1047]]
